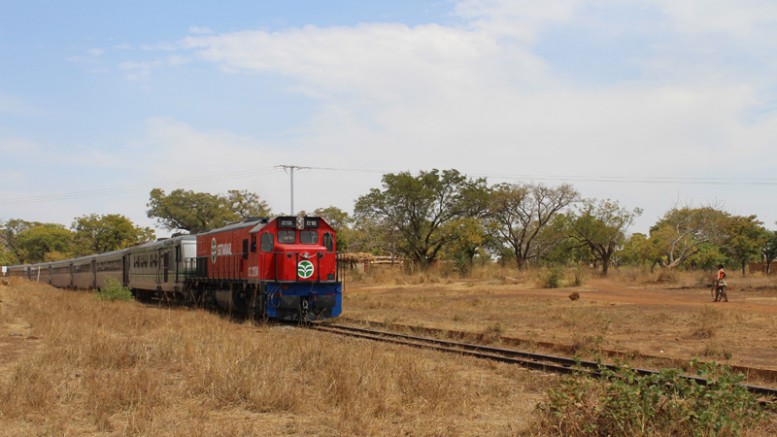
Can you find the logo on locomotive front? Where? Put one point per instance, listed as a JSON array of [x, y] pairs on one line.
[[305, 269]]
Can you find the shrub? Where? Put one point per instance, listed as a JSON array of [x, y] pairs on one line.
[[113, 290], [552, 277], [626, 404]]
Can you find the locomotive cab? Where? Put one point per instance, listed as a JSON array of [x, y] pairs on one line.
[[298, 266], [297, 250]]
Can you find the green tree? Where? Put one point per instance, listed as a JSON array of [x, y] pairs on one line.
[[44, 242], [521, 213], [707, 257], [682, 232], [9, 236], [376, 237], [554, 246], [638, 251], [98, 234], [6, 259], [744, 240], [470, 238], [420, 208], [246, 204], [197, 212], [602, 227], [770, 250]]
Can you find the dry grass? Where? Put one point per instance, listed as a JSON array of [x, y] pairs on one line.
[[75, 365], [630, 312]]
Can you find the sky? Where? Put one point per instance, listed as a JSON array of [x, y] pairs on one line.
[[652, 103]]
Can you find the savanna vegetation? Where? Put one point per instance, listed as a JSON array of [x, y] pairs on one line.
[[72, 363], [75, 363], [497, 262], [444, 216]]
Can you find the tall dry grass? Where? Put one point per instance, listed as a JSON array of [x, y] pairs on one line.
[[83, 366]]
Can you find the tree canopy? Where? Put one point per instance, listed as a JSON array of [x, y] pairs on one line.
[[97, 234], [197, 212], [602, 227], [745, 238], [439, 215], [27, 242], [9, 236], [682, 232], [420, 207], [520, 213], [44, 242]]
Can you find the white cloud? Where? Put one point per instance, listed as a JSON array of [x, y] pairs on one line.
[[520, 19], [200, 30], [451, 89], [742, 19], [478, 96], [95, 51], [379, 61]]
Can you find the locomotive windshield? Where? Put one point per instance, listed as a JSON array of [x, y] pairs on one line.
[[308, 237], [287, 236]]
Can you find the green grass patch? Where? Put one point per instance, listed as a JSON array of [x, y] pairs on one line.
[[625, 403], [113, 291]]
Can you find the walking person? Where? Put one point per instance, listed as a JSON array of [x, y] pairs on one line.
[[720, 285]]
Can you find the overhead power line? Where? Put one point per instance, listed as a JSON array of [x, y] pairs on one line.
[[250, 173], [603, 179], [639, 179], [189, 181]]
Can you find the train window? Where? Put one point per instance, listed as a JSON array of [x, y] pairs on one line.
[[308, 237], [267, 242], [287, 237], [329, 242], [245, 249]]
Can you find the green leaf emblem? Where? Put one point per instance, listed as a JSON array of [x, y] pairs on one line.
[[305, 269]]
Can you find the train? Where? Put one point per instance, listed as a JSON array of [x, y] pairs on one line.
[[285, 268]]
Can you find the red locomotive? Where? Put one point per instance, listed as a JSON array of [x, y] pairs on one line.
[[284, 268]]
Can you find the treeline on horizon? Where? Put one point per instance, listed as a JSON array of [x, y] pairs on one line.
[[439, 215]]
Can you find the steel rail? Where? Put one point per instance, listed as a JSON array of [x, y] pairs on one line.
[[535, 361]]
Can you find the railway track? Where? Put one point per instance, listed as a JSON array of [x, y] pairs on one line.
[[535, 361]]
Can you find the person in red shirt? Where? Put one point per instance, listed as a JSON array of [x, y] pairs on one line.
[[720, 285]]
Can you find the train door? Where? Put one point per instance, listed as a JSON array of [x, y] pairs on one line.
[[94, 274], [166, 265], [177, 263], [125, 260]]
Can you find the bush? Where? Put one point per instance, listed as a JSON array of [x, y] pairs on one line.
[[552, 277], [666, 403], [113, 290]]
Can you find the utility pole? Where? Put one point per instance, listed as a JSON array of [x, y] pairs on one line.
[[291, 169]]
